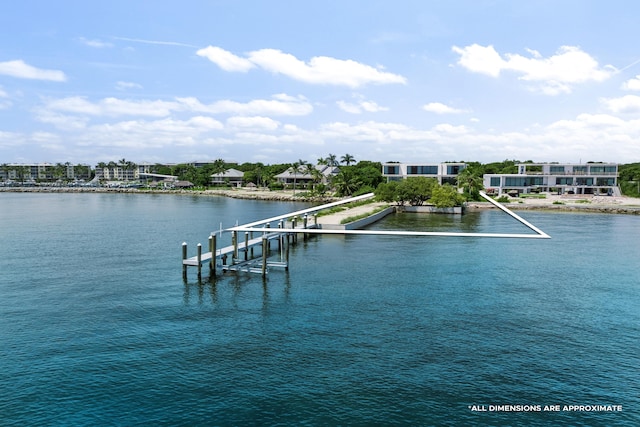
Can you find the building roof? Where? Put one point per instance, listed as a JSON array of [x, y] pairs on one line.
[[229, 173]]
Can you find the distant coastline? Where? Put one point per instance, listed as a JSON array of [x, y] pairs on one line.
[[595, 204]]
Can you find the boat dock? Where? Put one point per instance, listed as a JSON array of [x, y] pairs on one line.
[[254, 254], [251, 253]]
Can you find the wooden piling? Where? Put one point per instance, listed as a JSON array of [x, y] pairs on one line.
[[234, 242], [184, 257], [286, 253], [199, 261], [305, 221], [265, 243], [246, 245], [212, 249]]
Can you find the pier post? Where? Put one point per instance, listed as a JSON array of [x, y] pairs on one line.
[[315, 219], [286, 253], [212, 249], [280, 226], [234, 242], [305, 221], [246, 245], [268, 225], [199, 261], [293, 225], [184, 257], [251, 236], [265, 243]]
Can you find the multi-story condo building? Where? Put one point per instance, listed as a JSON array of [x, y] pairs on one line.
[[128, 171], [44, 172], [561, 178], [445, 173]]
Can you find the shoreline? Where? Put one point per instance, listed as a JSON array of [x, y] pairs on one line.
[[555, 203]]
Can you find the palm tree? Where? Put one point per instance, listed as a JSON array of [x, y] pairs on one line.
[[347, 159], [295, 167], [346, 182], [112, 166], [331, 160], [470, 180]]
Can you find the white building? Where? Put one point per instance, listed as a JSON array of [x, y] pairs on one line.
[[567, 178], [445, 173]]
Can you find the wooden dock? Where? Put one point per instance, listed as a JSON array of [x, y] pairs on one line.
[[251, 254]]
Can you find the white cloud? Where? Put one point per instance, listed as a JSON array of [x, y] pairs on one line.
[[319, 69], [99, 44], [4, 101], [57, 111], [553, 75], [18, 68], [280, 105], [439, 108], [361, 105], [112, 107], [127, 85], [632, 84], [225, 59], [480, 59], [264, 123], [625, 105]]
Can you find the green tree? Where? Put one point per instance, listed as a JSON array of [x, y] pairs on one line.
[[416, 190], [446, 196], [387, 191]]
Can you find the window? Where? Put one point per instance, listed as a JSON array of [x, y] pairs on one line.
[[584, 181], [606, 181], [422, 170], [495, 181], [564, 180], [580, 170], [556, 169], [512, 181], [391, 170], [454, 169]]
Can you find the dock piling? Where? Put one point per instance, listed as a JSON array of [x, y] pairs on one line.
[[212, 249], [184, 257], [199, 261]]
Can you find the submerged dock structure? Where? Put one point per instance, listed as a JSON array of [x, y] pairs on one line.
[[249, 253]]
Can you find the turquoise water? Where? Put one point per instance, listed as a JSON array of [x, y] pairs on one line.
[[98, 328]]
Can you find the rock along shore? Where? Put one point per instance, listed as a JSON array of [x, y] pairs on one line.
[[281, 196]]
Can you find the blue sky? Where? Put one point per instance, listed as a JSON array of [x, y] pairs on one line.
[[277, 81]]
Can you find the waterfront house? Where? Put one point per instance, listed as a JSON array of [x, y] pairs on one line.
[[560, 178], [445, 173], [232, 177]]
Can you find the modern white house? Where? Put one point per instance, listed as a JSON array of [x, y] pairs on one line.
[[560, 178], [445, 173]]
